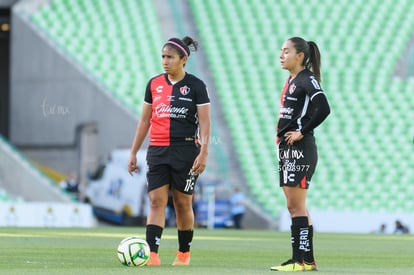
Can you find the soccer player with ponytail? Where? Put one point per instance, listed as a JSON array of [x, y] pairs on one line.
[[303, 106], [176, 113]]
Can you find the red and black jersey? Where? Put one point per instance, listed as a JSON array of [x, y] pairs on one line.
[[303, 105], [174, 108]]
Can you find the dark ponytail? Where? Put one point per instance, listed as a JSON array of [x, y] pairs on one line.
[[190, 43], [312, 56], [314, 61]]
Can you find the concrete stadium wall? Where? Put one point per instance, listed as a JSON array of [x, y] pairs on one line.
[[52, 97], [46, 214], [21, 179]]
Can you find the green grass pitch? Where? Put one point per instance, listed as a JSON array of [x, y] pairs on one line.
[[220, 251]]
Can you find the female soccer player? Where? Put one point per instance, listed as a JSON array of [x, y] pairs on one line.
[[176, 112], [303, 106]]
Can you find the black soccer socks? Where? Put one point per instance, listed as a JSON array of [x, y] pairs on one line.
[[299, 238], [153, 237], [185, 238]]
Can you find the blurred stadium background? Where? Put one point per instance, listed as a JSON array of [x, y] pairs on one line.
[[73, 74]]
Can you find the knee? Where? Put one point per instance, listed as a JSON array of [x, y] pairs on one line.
[[157, 202], [290, 208], [296, 210], [182, 204]]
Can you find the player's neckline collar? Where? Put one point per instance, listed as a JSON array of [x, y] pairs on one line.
[[174, 82]]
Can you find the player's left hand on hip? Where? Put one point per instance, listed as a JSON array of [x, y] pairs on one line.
[[293, 136]]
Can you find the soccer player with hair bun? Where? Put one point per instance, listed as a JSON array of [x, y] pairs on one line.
[[176, 113], [303, 106]]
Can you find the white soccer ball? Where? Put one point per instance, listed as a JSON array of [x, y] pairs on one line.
[[133, 251]]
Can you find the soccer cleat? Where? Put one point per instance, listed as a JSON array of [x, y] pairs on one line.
[[310, 266], [289, 266], [182, 258], [154, 260]]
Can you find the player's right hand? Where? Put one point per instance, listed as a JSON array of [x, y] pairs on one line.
[[132, 165]]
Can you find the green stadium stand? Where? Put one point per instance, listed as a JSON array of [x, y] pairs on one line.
[[112, 41], [365, 146]]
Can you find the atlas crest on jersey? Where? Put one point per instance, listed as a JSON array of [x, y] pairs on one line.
[[184, 90], [292, 88]]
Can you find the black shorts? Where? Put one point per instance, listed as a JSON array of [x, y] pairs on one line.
[[171, 165], [297, 162]]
